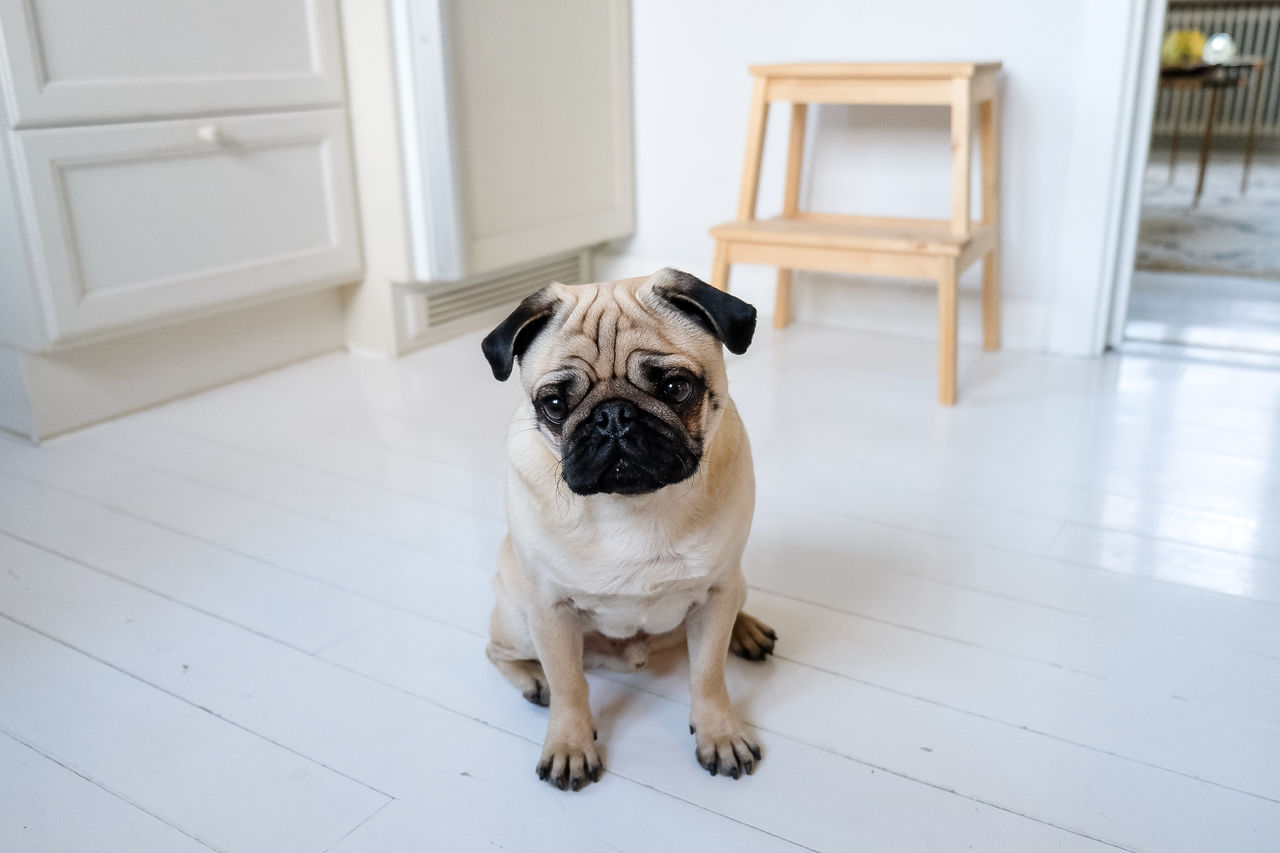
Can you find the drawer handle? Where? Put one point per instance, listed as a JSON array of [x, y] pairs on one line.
[[210, 133]]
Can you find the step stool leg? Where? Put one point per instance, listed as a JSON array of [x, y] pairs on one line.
[[790, 207], [948, 322], [782, 307], [989, 139], [757, 123], [961, 153], [720, 267], [991, 301]]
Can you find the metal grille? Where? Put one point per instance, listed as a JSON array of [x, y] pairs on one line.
[[1255, 27], [454, 302]]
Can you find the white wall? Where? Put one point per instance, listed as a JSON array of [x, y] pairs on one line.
[[691, 99]]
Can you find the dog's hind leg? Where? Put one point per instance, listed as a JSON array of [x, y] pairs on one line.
[[525, 674], [751, 638], [510, 644]]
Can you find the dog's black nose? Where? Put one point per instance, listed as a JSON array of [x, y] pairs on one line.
[[613, 417]]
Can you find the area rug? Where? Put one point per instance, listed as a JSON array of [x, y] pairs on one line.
[[1227, 233]]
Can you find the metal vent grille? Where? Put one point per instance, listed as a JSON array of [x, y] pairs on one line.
[[454, 302]]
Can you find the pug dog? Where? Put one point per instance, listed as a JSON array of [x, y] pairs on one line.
[[630, 492]]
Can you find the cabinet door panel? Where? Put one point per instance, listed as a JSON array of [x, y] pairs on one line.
[[72, 61], [140, 223]]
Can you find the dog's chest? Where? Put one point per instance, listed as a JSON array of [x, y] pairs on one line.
[[639, 579]]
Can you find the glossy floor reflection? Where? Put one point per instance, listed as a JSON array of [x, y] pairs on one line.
[[1046, 619], [1224, 312]]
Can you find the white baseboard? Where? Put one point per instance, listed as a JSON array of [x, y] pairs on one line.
[[893, 306], [44, 394]]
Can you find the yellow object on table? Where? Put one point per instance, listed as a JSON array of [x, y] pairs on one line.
[[1182, 47]]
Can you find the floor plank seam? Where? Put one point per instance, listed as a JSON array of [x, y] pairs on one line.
[[116, 794], [943, 637], [480, 636], [1034, 731], [442, 459], [874, 767], [257, 735], [353, 830], [351, 671], [1052, 664], [404, 543], [907, 695], [1045, 554], [401, 608], [222, 546], [147, 589], [326, 473], [1273, 562], [902, 528]]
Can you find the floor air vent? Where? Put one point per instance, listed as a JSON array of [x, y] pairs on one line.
[[454, 302]]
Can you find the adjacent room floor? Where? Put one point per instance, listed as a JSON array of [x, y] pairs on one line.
[[1047, 619], [1209, 276], [1228, 233], [1232, 313]]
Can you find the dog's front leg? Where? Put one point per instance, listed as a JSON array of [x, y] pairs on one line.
[[569, 757], [724, 744]]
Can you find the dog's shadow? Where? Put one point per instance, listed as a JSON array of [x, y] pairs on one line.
[[665, 679]]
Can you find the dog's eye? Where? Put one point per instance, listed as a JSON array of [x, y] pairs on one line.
[[553, 407], [677, 389]]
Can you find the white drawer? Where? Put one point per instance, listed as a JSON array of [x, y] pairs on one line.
[[73, 61], [139, 223]]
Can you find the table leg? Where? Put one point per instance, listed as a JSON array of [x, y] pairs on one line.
[[1179, 103], [1255, 81], [1206, 143]]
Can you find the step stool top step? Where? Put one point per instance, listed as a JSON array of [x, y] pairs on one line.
[[875, 70]]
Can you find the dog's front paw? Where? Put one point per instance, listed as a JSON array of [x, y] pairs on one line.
[[570, 763], [726, 747]]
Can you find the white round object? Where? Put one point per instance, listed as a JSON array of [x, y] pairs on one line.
[[1219, 48]]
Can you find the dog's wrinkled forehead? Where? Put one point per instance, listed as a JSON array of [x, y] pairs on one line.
[[599, 328]]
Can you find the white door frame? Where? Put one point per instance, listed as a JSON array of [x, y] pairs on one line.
[[1148, 38], [1115, 97]]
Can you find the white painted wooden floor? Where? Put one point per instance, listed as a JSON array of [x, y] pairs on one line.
[[1048, 619]]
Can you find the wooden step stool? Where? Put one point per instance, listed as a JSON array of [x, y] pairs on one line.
[[940, 249]]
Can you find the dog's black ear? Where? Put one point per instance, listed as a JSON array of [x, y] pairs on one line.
[[723, 315], [509, 341]]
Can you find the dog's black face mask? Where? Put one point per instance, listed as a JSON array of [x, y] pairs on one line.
[[625, 405], [620, 448]]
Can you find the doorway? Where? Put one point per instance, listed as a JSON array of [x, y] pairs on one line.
[[1207, 262]]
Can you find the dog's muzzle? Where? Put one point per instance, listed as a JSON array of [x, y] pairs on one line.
[[620, 448]]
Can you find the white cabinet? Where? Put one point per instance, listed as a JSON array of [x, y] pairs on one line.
[[177, 199], [170, 157], [77, 61], [141, 222]]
